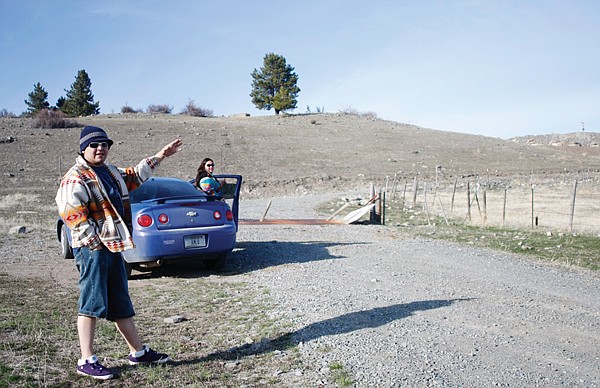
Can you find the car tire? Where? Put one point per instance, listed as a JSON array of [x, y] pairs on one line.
[[66, 250], [217, 263]]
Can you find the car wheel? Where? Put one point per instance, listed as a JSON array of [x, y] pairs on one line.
[[66, 250], [216, 264]]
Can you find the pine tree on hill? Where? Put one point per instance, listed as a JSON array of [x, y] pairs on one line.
[[80, 100], [38, 99], [275, 85]]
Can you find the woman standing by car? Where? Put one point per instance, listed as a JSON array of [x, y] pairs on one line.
[[205, 180]]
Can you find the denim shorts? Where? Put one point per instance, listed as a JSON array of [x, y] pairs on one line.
[[103, 289]]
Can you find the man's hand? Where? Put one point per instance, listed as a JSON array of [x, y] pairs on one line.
[[169, 149]]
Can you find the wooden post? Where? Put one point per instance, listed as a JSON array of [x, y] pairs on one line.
[[379, 207], [532, 216], [504, 210], [338, 211], [484, 205], [266, 211], [414, 204], [373, 213], [383, 209], [468, 201], [425, 205], [387, 179], [572, 215], [453, 193], [476, 198], [443, 211]]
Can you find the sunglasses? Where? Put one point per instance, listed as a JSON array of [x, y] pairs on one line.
[[95, 144], [210, 165]]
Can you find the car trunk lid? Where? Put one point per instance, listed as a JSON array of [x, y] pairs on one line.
[[185, 213]]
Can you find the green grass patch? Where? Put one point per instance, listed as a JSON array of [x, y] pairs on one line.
[[239, 342], [339, 375]]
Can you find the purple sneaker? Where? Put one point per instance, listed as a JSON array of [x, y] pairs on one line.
[[148, 356], [93, 369]]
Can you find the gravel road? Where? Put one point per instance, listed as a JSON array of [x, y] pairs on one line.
[[399, 311]]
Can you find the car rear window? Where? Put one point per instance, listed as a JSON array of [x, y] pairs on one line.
[[157, 188]]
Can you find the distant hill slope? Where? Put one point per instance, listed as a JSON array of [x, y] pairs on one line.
[[291, 154], [583, 139]]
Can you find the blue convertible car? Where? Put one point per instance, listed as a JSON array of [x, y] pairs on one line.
[[172, 220]]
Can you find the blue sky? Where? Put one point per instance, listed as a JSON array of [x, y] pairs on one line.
[[496, 68]]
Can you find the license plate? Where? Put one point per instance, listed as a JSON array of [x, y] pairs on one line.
[[198, 241]]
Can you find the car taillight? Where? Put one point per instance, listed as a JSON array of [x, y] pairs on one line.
[[229, 215], [217, 214], [163, 218], [144, 220]]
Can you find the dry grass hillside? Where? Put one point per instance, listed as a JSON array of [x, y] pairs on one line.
[[289, 155]]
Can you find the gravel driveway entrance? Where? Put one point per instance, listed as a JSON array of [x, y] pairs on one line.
[[398, 311]]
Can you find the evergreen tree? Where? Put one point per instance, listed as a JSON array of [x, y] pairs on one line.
[[60, 102], [275, 85], [80, 100], [38, 99]]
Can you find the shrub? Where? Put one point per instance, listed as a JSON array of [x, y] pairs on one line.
[[164, 108], [192, 110], [50, 118], [5, 113], [127, 109], [354, 112], [369, 115], [349, 111]]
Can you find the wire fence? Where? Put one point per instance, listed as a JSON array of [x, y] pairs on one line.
[[566, 203]]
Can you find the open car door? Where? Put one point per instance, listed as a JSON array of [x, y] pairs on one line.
[[230, 192]]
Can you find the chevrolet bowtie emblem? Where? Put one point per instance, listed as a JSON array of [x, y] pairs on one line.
[[191, 214]]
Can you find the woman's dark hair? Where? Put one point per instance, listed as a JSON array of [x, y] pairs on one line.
[[202, 171]]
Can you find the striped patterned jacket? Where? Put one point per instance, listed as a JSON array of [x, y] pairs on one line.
[[84, 206]]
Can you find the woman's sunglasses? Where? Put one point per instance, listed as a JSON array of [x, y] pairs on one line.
[[210, 165]]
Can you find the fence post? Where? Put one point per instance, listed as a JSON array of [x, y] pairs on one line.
[[453, 193], [373, 213], [425, 207], [383, 209], [443, 211], [468, 201], [415, 193], [387, 179], [572, 215], [484, 205], [532, 195], [504, 210]]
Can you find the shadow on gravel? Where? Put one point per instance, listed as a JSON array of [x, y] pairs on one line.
[[250, 256], [253, 256], [346, 323]]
